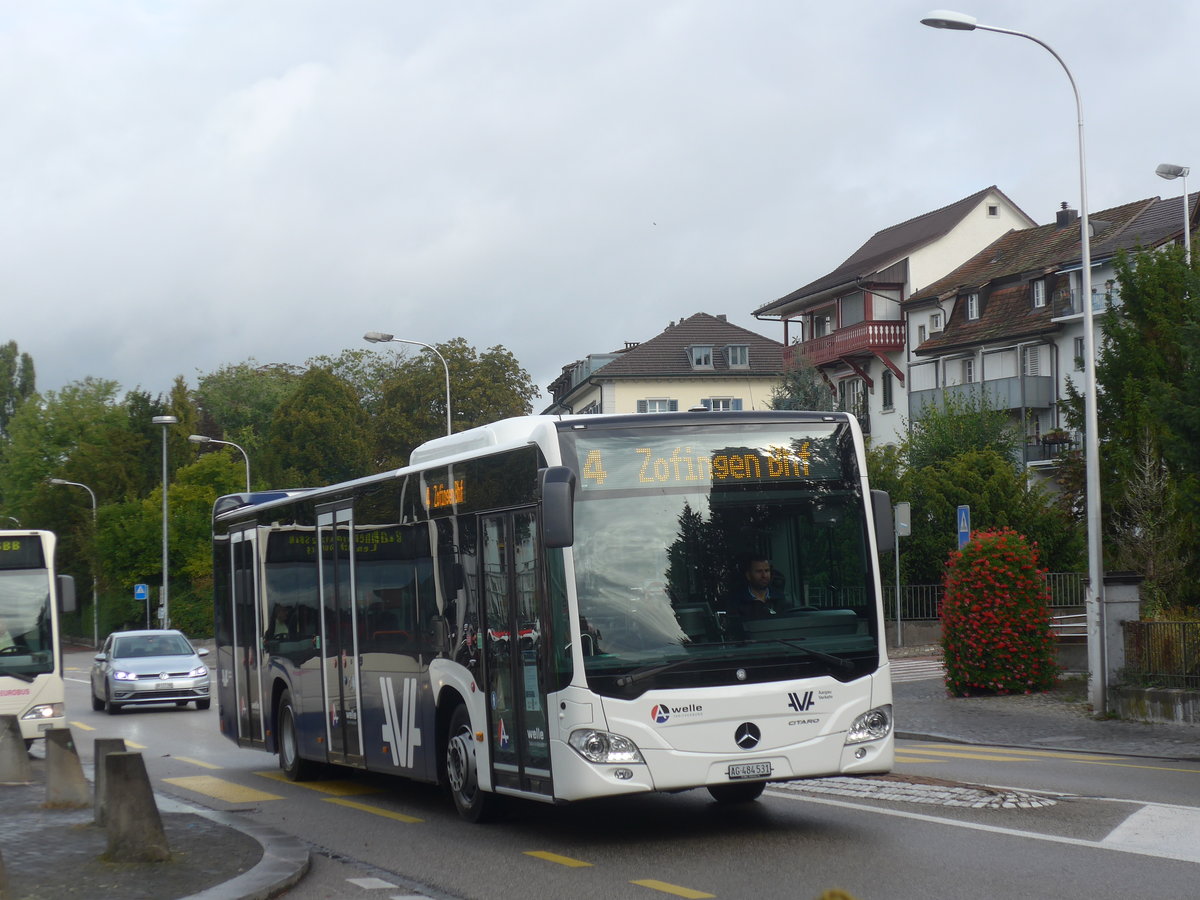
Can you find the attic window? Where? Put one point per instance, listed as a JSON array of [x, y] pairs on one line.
[[972, 306], [701, 357], [993, 211], [1039, 293], [738, 355]]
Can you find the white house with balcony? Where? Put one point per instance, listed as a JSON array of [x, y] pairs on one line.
[[850, 324]]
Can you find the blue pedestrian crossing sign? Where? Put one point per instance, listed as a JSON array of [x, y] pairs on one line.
[[141, 592], [964, 526]]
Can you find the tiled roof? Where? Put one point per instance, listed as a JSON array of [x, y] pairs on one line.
[[666, 354], [887, 247], [1007, 265]]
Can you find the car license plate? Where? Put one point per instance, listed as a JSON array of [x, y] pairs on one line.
[[748, 770], [165, 686]]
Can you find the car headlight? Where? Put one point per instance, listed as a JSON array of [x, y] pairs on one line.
[[45, 711], [604, 747], [124, 676], [871, 726], [198, 672]]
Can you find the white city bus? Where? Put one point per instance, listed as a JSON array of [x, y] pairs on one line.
[[541, 608], [31, 598]]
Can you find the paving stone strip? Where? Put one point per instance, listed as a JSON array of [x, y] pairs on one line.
[[913, 790]]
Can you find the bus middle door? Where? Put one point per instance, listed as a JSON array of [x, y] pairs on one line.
[[514, 652], [339, 639]]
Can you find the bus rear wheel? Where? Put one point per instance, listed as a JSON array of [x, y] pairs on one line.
[[737, 792], [290, 761], [473, 803]]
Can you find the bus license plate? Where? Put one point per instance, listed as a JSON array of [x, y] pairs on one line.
[[748, 770]]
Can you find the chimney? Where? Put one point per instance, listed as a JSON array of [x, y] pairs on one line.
[[721, 316], [1066, 216]]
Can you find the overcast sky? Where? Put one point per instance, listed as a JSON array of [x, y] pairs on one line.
[[192, 184]]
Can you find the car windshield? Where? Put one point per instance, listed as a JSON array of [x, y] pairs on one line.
[[26, 636], [718, 555], [139, 646]]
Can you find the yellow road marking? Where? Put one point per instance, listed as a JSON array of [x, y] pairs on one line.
[[556, 858], [81, 726], [673, 889], [374, 810], [908, 761], [132, 745], [964, 754], [1046, 754], [1092, 759], [198, 762], [221, 789], [337, 788]]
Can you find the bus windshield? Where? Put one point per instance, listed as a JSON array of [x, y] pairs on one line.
[[26, 636], [720, 554]]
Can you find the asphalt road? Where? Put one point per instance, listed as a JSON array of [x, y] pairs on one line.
[[1071, 825]]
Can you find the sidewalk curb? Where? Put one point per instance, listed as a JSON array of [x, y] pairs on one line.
[[284, 862]]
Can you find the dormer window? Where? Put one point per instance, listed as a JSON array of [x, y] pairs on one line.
[[738, 356], [972, 306], [701, 357], [1039, 293], [935, 323]]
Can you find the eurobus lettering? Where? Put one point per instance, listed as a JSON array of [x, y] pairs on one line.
[[521, 610]]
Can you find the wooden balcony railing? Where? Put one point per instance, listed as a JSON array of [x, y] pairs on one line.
[[857, 340]]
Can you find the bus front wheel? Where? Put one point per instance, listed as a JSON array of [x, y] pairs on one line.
[[737, 792], [473, 803], [290, 761]]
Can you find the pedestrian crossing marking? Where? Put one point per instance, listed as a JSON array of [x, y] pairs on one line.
[[374, 810], [338, 788], [556, 858], [228, 791], [673, 889], [197, 762]]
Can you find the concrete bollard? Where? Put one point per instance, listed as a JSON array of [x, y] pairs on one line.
[[135, 829], [14, 758], [103, 747], [66, 788]]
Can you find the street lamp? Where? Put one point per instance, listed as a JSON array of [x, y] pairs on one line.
[[14, 520], [956, 21], [205, 439], [1170, 172], [378, 337], [164, 421], [95, 588]]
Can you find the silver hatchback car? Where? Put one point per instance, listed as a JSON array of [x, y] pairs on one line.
[[153, 666]]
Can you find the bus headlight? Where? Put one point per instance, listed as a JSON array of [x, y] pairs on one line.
[[604, 747], [871, 726], [45, 711]]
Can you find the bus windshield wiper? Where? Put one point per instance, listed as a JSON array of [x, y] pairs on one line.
[[650, 671], [844, 664]]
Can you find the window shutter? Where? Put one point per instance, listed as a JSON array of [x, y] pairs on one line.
[[641, 406], [737, 404]]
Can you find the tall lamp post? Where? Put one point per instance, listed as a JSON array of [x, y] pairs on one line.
[[14, 520], [164, 421], [956, 21], [378, 337], [205, 439], [1171, 172], [95, 583]]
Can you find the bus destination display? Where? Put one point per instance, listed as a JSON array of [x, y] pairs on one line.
[[647, 461], [21, 553]]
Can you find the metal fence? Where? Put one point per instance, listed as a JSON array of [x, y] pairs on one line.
[[1162, 654], [924, 601]]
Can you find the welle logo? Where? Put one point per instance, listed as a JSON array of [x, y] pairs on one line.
[[801, 702]]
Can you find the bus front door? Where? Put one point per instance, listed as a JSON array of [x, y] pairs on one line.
[[339, 637], [514, 652], [247, 636]]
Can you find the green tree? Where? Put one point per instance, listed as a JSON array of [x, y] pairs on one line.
[[484, 387], [238, 401], [17, 382], [802, 387], [962, 422], [319, 434]]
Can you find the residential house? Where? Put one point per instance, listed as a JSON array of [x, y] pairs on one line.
[[702, 360], [851, 321], [1010, 319]]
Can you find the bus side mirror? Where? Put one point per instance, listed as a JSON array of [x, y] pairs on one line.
[[557, 487], [885, 530], [66, 593]]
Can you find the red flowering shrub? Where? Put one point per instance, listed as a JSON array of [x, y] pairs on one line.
[[996, 634]]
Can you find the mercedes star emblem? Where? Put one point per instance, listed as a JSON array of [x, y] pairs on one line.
[[747, 735]]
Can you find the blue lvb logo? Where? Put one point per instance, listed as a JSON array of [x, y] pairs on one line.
[[801, 704]]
